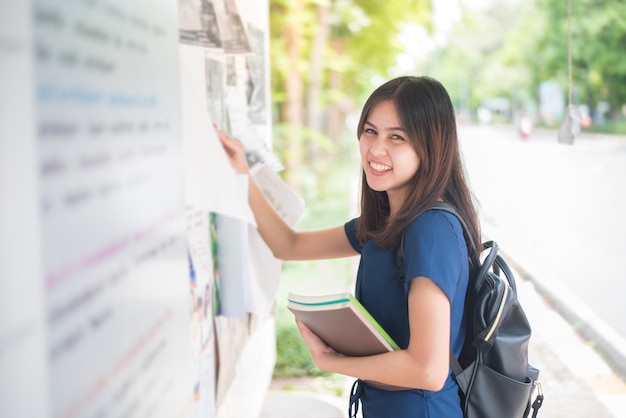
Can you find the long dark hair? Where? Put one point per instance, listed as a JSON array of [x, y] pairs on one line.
[[427, 116]]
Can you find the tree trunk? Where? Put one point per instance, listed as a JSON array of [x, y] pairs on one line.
[[318, 52], [337, 111], [293, 106]]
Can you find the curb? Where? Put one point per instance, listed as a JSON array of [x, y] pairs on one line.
[[592, 329]]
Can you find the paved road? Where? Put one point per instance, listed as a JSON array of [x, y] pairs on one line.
[[561, 209]]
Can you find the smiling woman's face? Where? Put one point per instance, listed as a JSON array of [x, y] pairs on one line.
[[387, 155]]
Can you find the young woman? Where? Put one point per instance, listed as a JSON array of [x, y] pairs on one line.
[[410, 160]]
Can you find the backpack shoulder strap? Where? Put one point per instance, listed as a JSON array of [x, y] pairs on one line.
[[451, 209], [440, 206]]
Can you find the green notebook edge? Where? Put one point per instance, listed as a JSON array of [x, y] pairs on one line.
[[374, 323]]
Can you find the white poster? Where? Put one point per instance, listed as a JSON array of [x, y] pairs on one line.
[[23, 367], [112, 208]]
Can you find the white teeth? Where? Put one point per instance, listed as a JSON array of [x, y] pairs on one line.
[[380, 167]]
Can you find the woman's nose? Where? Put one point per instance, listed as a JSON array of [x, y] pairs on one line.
[[378, 146]]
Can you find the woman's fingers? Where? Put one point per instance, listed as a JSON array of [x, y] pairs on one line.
[[226, 140], [232, 145], [311, 339], [235, 151], [317, 347]]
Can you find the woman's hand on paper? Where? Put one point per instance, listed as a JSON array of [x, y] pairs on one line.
[[320, 351], [235, 151]]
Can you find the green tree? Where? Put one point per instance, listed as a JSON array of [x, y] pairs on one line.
[[510, 48], [598, 42]]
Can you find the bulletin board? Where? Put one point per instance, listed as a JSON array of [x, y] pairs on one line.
[[133, 281]]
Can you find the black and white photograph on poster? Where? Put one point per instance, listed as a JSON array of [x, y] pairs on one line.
[[198, 23], [238, 116], [232, 29], [231, 72], [256, 88], [215, 79]]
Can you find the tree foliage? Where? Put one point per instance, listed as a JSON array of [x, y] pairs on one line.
[[510, 48], [598, 29]]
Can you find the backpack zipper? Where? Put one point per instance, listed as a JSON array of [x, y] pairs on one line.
[[499, 314]]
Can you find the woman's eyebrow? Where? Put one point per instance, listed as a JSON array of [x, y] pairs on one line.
[[391, 128]]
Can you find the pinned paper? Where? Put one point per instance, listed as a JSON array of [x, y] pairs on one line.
[[211, 183]]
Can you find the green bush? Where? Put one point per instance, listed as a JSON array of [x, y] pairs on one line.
[[615, 126], [293, 358]]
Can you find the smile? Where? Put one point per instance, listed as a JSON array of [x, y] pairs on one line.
[[380, 167]]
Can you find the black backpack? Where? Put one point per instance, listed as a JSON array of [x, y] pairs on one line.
[[493, 373]]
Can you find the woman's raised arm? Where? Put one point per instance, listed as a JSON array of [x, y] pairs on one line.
[[285, 243]]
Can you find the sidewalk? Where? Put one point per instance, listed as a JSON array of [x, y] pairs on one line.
[[582, 361], [286, 404], [576, 381]]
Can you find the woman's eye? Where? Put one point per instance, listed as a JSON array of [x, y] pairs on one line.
[[370, 131], [397, 137]]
